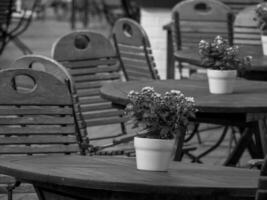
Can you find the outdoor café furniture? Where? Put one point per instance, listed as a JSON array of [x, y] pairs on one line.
[[77, 177], [246, 108], [92, 61], [37, 117], [42, 63], [134, 50], [246, 31], [197, 20], [13, 22], [238, 5]]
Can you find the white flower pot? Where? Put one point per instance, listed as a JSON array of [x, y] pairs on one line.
[[153, 154], [264, 44], [221, 81]]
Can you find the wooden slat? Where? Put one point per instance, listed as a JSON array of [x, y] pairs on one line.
[[246, 30], [35, 111], [37, 130], [96, 107], [84, 71], [38, 120], [86, 85], [247, 36], [105, 121], [138, 70], [38, 140], [134, 56], [91, 100], [39, 150], [132, 48], [196, 36], [138, 75], [103, 114], [88, 92], [98, 77], [88, 63], [249, 42], [134, 62]]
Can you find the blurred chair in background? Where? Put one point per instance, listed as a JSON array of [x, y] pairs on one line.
[[14, 20], [197, 20]]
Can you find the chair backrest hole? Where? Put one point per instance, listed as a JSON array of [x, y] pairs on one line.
[[23, 83], [81, 41], [202, 7], [127, 30], [37, 66]]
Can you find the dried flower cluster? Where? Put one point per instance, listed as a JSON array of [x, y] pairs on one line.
[[219, 55], [261, 16], [160, 115]]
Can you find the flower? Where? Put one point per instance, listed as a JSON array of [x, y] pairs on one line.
[[219, 55], [160, 115], [261, 15]]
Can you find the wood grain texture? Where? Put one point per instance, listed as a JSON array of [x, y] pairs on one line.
[[246, 31], [238, 5], [120, 174], [249, 96], [40, 121], [92, 61], [134, 50]]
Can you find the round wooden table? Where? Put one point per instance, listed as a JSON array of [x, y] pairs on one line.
[[245, 108], [92, 177]]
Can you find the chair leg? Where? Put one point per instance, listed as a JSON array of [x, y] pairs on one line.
[[10, 189], [23, 47]]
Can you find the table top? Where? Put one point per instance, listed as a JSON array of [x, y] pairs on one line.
[[248, 97], [259, 61], [120, 174]]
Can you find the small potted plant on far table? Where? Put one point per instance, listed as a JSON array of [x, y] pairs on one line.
[[163, 120], [223, 63], [261, 18]]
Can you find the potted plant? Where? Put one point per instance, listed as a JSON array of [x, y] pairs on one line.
[[223, 64], [261, 18], [163, 120]]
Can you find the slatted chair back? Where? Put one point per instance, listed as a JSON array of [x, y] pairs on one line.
[[196, 20], [238, 5], [50, 66], [37, 120], [92, 62], [261, 193], [246, 32], [134, 50]]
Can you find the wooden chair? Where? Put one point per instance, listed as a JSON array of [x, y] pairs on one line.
[[38, 120], [134, 50], [238, 5], [92, 61], [246, 32], [42, 63], [196, 20], [13, 22]]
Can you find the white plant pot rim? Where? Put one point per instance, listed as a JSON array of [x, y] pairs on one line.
[[151, 143], [215, 73]]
